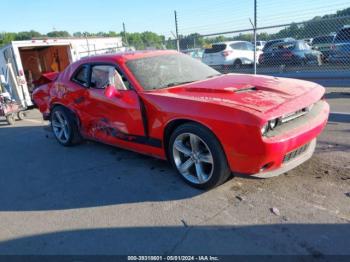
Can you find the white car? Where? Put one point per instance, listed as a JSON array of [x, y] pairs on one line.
[[260, 45], [234, 53]]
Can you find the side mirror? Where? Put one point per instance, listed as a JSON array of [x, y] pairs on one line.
[[111, 91]]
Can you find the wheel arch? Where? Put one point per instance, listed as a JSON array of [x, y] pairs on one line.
[[175, 123], [238, 59], [72, 112]]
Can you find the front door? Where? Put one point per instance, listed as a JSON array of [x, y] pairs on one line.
[[113, 120]]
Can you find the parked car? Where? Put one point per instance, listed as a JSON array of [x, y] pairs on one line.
[[290, 53], [340, 50], [275, 41], [259, 45], [171, 106], [196, 53], [323, 44], [308, 41], [234, 53]]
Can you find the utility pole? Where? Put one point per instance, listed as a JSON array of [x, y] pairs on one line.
[[125, 37], [87, 43], [255, 26], [177, 33]]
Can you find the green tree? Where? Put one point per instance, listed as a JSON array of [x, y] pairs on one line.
[[78, 34], [27, 35], [6, 38], [58, 34]]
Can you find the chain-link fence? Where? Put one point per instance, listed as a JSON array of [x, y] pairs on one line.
[[317, 45], [319, 42]]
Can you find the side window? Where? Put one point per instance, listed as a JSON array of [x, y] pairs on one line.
[[244, 46], [104, 75], [250, 47], [236, 46], [82, 76], [239, 46]]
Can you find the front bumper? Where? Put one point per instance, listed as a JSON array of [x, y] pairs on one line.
[[285, 167], [267, 157]]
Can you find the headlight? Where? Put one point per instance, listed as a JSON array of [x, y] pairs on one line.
[[269, 126], [264, 128], [272, 123]]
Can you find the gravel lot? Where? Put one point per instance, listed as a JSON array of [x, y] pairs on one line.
[[96, 199]]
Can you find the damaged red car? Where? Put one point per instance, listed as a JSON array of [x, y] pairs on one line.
[[171, 106]]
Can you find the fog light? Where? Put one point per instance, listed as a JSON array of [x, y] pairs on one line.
[[266, 166]]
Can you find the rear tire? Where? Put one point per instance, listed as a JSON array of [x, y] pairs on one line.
[[21, 115], [198, 156], [64, 126], [237, 64]]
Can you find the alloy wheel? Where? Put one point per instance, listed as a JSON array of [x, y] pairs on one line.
[[60, 126], [193, 158]]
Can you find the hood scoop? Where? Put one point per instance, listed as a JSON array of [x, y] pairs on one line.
[[245, 89], [236, 90]]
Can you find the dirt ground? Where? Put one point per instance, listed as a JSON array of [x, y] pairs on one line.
[[95, 199]]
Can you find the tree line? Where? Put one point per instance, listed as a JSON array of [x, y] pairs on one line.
[[317, 26], [138, 40]]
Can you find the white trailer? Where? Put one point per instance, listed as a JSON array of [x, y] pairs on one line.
[[23, 62]]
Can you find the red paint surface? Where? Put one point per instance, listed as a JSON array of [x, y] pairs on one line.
[[235, 118]]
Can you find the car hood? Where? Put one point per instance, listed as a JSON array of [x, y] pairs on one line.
[[259, 93]]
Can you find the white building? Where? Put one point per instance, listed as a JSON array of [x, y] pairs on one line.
[[22, 62]]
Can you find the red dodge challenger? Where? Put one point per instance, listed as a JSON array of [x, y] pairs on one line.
[[171, 106]]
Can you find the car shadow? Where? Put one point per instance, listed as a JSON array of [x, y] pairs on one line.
[[39, 174], [313, 240]]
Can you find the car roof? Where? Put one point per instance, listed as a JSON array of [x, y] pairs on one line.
[[321, 36], [286, 39], [229, 42]]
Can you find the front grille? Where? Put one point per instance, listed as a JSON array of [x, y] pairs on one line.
[[297, 152], [296, 114]]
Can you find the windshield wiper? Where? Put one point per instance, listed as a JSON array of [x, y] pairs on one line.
[[213, 76], [178, 83]]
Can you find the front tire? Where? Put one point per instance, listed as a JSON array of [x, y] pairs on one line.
[[64, 127], [198, 156], [10, 119]]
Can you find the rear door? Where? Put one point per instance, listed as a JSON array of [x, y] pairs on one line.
[[250, 51], [214, 55], [244, 51]]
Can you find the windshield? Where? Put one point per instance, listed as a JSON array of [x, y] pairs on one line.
[[270, 43], [163, 71], [343, 36], [323, 40], [215, 48], [281, 46]]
